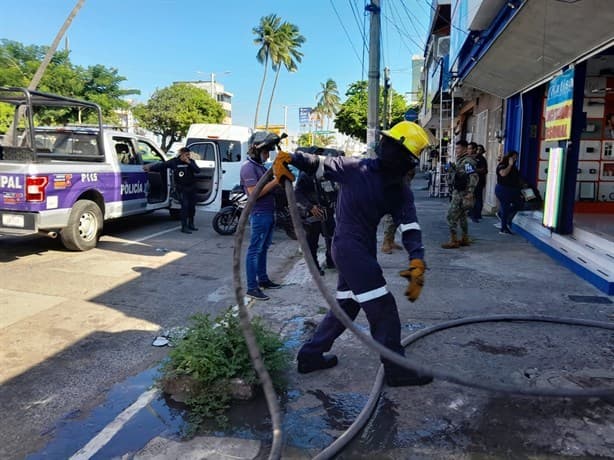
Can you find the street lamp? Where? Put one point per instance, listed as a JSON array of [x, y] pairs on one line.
[[213, 91]]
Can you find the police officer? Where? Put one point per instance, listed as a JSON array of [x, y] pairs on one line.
[[463, 179], [184, 169], [369, 189], [316, 199]]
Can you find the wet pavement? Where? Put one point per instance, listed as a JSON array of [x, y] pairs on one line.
[[497, 274]]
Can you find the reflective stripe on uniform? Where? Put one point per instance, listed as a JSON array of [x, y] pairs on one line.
[[365, 296], [320, 170], [412, 226]]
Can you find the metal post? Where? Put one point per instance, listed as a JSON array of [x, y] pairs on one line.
[[38, 75], [374, 60]]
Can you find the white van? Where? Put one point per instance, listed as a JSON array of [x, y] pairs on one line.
[[232, 145]]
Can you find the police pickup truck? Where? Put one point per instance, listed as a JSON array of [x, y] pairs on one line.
[[67, 180]]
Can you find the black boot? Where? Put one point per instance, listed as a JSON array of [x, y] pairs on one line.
[[400, 377], [184, 227], [191, 224], [316, 363]]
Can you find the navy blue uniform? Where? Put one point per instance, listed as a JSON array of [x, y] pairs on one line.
[[363, 199], [184, 177]]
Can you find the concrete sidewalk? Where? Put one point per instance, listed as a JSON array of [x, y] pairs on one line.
[[497, 274]]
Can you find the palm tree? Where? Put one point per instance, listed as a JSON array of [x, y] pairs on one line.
[[285, 51], [328, 99], [267, 34]]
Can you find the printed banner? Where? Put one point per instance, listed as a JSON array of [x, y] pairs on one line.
[[558, 107]]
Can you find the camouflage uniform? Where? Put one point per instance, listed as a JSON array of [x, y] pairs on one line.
[[461, 202], [390, 228]]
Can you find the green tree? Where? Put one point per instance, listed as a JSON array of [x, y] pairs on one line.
[[285, 51], [97, 83], [352, 116], [328, 101], [170, 111], [319, 140], [267, 37]]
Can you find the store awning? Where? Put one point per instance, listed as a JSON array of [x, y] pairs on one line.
[[542, 38]]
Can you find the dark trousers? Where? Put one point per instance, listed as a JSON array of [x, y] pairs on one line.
[[478, 193], [313, 230], [510, 202], [187, 197]]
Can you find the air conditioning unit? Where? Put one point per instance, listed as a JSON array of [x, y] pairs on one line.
[[443, 47]]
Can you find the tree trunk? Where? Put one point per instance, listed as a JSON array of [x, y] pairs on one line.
[[266, 65], [268, 113]]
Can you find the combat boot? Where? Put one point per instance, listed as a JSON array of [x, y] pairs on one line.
[[465, 240], [453, 243], [191, 225], [184, 227], [387, 245]]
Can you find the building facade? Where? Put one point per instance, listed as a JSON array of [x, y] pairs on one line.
[[508, 60]]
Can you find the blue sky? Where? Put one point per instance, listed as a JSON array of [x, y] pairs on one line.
[[156, 42]]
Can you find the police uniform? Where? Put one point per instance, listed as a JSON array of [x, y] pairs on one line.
[[184, 178], [312, 192]]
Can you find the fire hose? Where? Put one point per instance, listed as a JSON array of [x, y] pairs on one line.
[[337, 445]]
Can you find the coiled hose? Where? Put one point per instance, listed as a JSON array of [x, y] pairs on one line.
[[384, 352]]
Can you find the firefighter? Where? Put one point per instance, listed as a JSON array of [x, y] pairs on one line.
[[369, 189]]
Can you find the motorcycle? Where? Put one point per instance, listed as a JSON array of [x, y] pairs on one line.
[[226, 220]]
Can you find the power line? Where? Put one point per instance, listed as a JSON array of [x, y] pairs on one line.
[[413, 24], [408, 34], [357, 19], [345, 30]]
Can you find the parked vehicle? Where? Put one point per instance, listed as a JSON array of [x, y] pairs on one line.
[[231, 142], [226, 220], [68, 180]]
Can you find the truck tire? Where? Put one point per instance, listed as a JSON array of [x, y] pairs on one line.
[[84, 226]]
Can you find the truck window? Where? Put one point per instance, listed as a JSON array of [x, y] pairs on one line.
[[71, 144], [124, 151], [230, 150], [148, 153], [205, 151]]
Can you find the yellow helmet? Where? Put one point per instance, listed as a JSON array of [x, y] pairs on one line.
[[411, 135]]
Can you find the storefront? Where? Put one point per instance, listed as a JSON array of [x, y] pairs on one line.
[[526, 45]]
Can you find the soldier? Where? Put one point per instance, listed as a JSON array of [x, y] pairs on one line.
[[390, 228], [463, 179], [369, 189]]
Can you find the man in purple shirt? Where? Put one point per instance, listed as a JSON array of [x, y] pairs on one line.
[[262, 217], [368, 189]]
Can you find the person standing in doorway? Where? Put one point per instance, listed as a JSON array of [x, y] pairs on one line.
[[481, 167], [508, 190], [184, 170]]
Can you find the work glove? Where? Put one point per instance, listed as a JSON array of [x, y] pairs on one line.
[[280, 166], [415, 275]]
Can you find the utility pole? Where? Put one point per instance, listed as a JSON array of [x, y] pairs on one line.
[[373, 88], [47, 59], [387, 94]]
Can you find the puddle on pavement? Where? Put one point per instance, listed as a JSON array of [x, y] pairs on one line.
[[311, 426], [75, 429]]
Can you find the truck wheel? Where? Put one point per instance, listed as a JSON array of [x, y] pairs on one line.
[[84, 225]]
